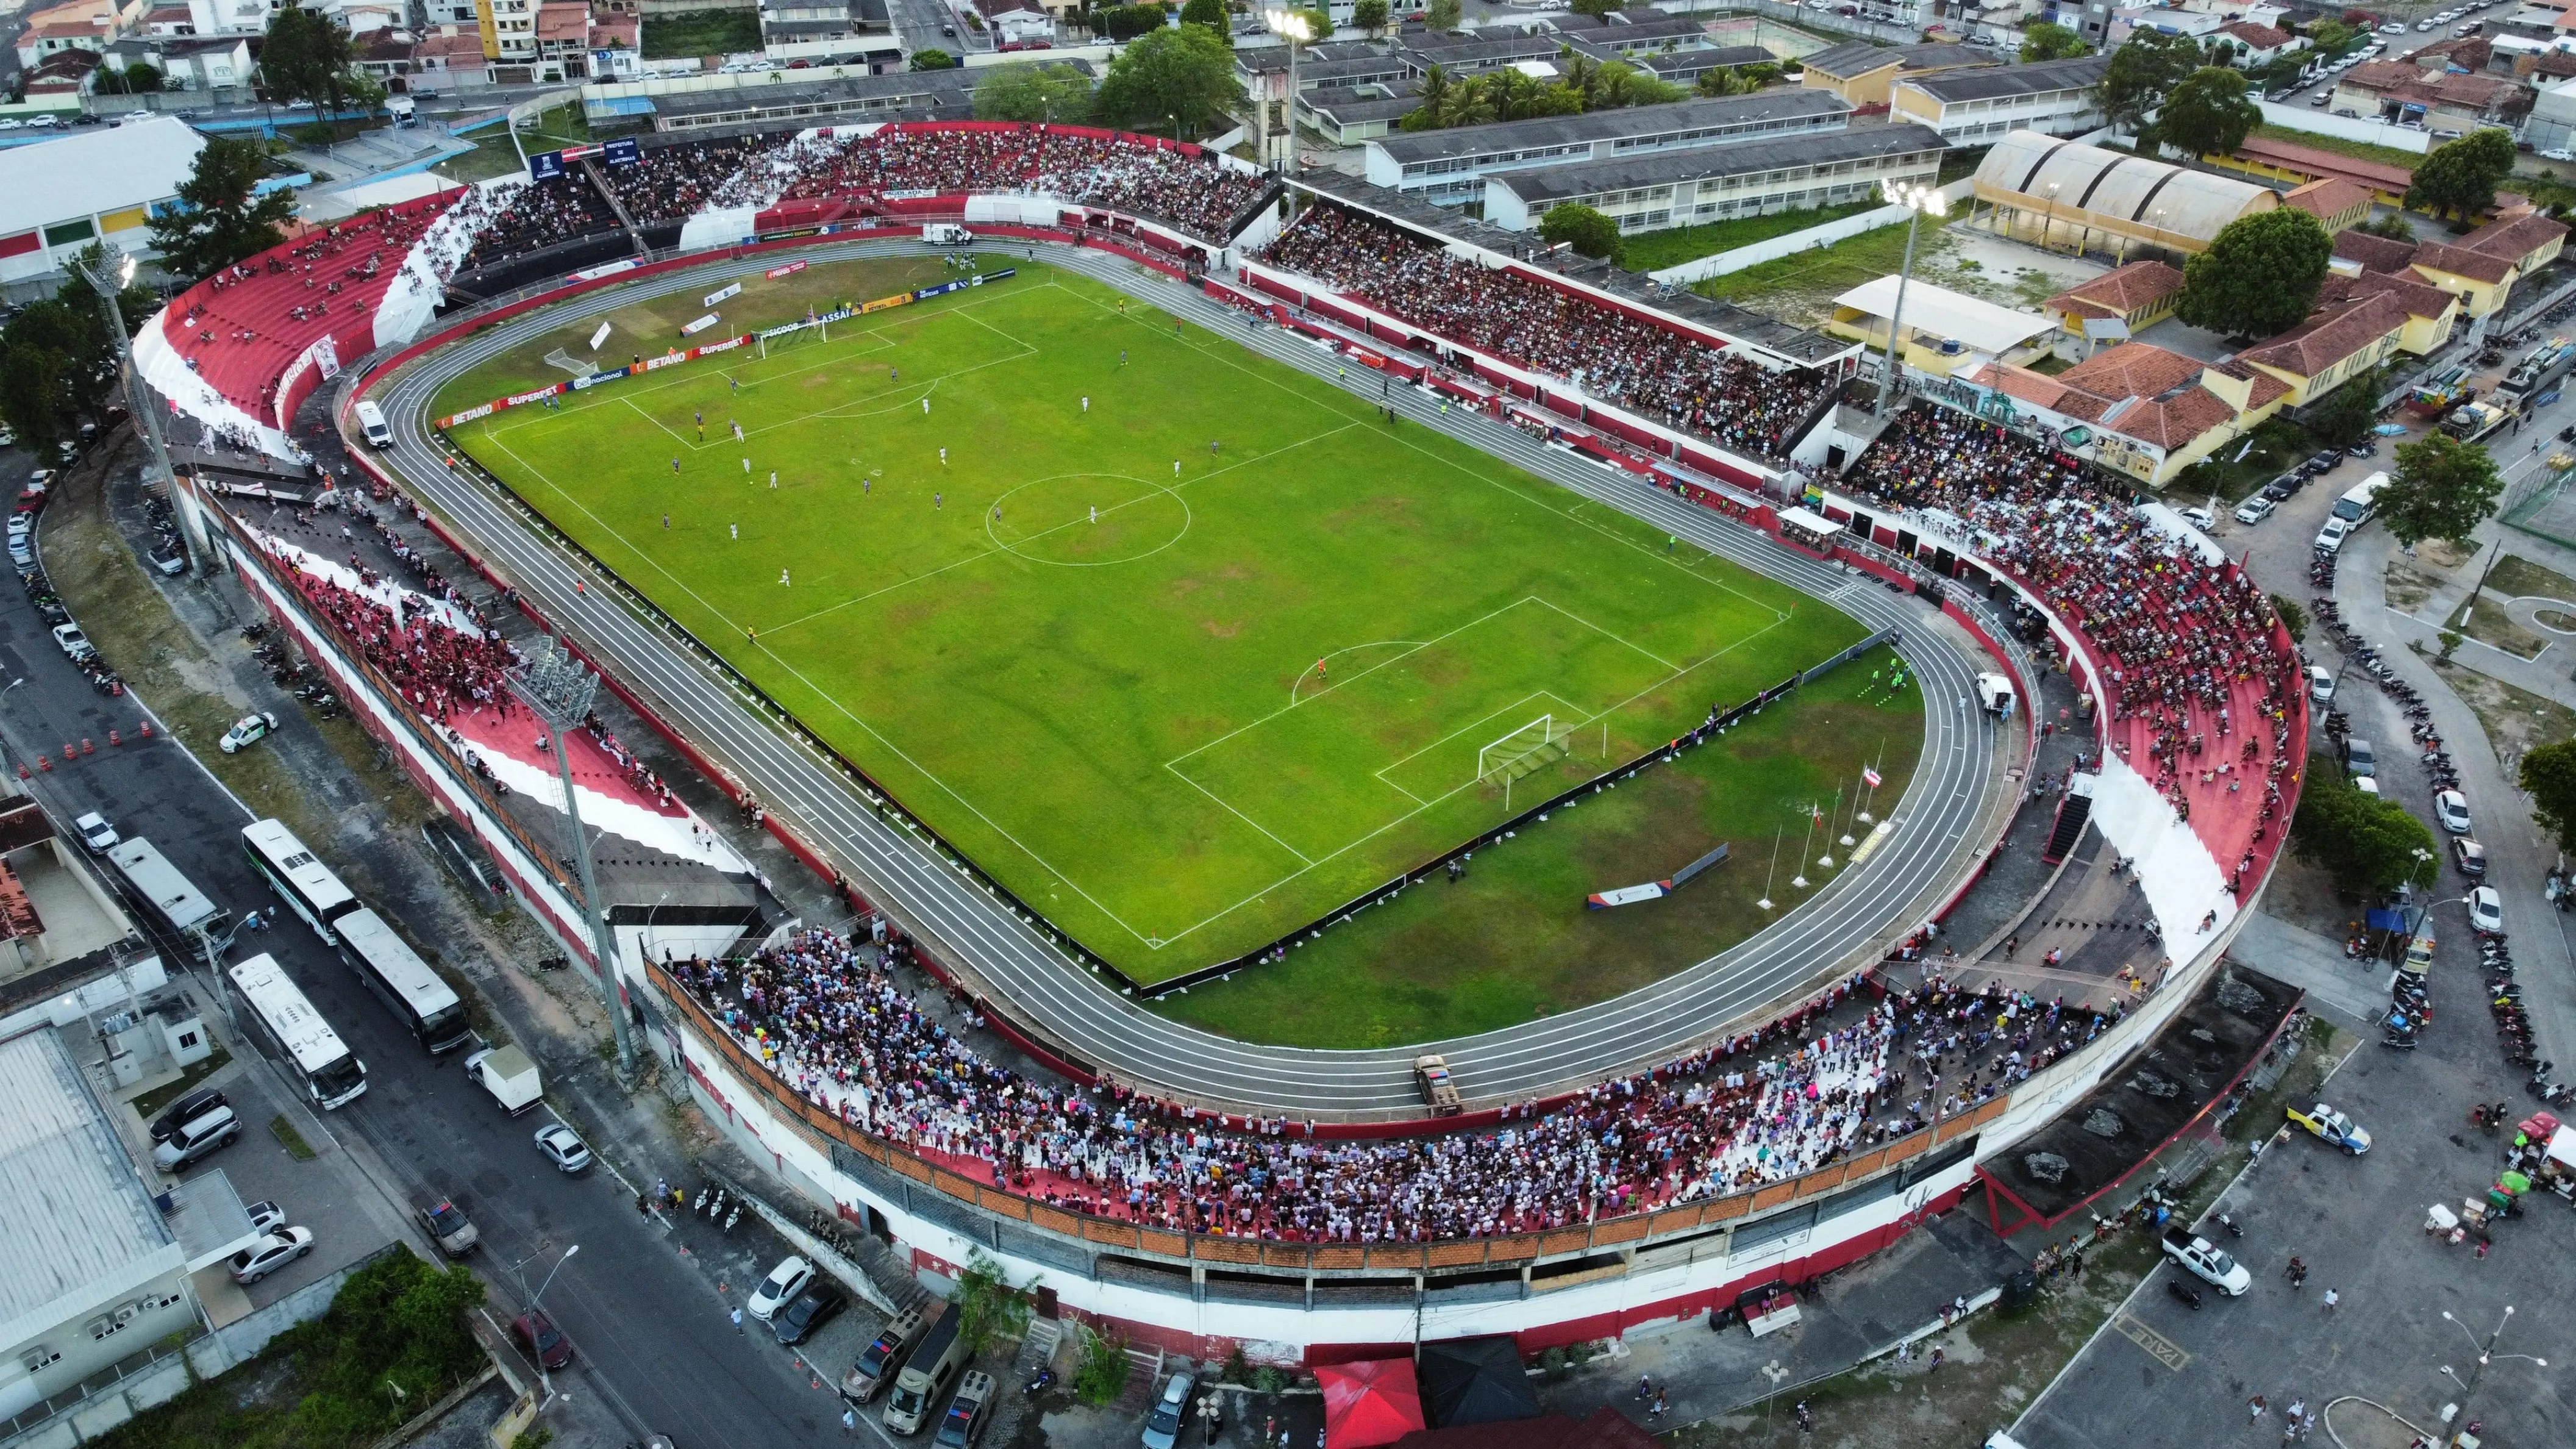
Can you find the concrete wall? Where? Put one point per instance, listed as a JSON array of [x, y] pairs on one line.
[[1822, 235], [2321, 121]]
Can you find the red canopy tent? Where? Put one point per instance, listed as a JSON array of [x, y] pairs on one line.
[[1369, 1403]]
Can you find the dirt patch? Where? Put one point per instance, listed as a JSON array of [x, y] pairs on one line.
[[2517, 577], [2516, 720], [2555, 619], [2408, 588], [2488, 623], [2442, 553]]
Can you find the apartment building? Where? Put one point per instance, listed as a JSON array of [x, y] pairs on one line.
[[1448, 167], [1973, 107], [1716, 183]]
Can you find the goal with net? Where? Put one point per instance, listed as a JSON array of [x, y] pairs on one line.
[[1531, 748]]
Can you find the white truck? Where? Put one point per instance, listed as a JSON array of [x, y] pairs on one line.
[[508, 1075], [2204, 1260], [1994, 694], [946, 234]]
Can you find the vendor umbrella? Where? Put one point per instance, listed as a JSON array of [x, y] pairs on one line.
[[1369, 1403]]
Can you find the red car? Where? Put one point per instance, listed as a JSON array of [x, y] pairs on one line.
[[543, 1341]]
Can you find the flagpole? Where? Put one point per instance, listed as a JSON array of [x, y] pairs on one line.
[[1847, 841], [1774, 873], [1827, 859], [1800, 879], [1864, 816]]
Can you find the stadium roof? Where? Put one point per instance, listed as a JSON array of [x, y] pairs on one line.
[[1734, 158], [95, 171], [1982, 325], [1999, 82], [74, 1205], [931, 86], [1786, 105]]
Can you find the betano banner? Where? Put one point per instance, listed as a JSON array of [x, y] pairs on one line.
[[676, 356]]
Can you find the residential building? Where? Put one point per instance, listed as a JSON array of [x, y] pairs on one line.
[[2136, 296], [1448, 167], [231, 17], [2091, 20], [2256, 45], [188, 62], [563, 41], [1016, 22], [101, 182], [2065, 193], [81, 25], [65, 77], [2553, 117], [2333, 201], [362, 18], [2334, 346], [1714, 183], [791, 26], [1348, 115], [451, 60], [1862, 75], [509, 29], [1971, 107], [2445, 103], [924, 95], [388, 55], [439, 13], [2140, 409], [2481, 269]]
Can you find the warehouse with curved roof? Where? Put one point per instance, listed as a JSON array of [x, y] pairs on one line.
[[2083, 198]]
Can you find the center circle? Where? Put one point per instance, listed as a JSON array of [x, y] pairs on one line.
[[1088, 520]]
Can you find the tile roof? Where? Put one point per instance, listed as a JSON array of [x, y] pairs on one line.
[[2514, 239], [2461, 262], [2133, 369], [2419, 298], [2291, 156], [2374, 253], [2319, 343], [2121, 292], [2261, 37], [2327, 196]]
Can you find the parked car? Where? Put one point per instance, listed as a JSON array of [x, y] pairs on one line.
[[2331, 1126], [563, 1147], [265, 1216], [70, 639], [543, 1341], [2451, 808], [187, 1109], [2486, 909], [95, 832], [448, 1226], [271, 1253], [806, 1312], [2330, 538], [1163, 1426], [197, 1137], [249, 730], [2198, 517], [783, 1283], [2255, 509], [2469, 856]]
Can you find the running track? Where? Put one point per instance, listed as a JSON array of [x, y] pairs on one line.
[[1042, 989]]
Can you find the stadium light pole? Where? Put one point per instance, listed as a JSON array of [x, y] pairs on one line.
[[1917, 198], [118, 265], [1297, 30], [558, 690]]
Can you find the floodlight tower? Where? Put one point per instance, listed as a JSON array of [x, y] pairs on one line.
[[557, 689]]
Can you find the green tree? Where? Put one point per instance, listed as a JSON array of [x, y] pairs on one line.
[[33, 400], [2293, 618], [1435, 100], [138, 79], [1212, 14], [1371, 16], [2209, 114], [307, 57], [1443, 15], [933, 60], [2392, 226], [1100, 1367], [1597, 9], [218, 220], [2330, 35], [2549, 777], [2441, 488], [2345, 416], [1127, 22], [1584, 229], [1185, 73], [1725, 80], [2369, 845], [1319, 23], [2049, 41], [1033, 93], [2143, 71], [2260, 276], [990, 1308], [2460, 178]]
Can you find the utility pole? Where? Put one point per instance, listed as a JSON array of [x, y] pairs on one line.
[[557, 689], [115, 272]]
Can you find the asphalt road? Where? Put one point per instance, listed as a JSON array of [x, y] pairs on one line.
[[650, 1331], [1041, 986]]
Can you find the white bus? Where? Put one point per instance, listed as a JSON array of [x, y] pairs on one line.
[[332, 1074], [298, 876], [392, 970], [168, 895]]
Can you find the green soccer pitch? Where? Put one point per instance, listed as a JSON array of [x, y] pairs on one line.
[[1184, 668]]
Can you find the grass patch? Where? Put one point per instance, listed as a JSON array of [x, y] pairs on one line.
[[1649, 251], [2489, 624], [290, 1139], [2516, 720], [2517, 577], [494, 153], [702, 32], [1513, 940], [1802, 287], [2049, 365], [153, 1101], [2278, 447], [2357, 150], [1180, 695], [392, 1343]]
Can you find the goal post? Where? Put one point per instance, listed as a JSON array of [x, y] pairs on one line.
[[1526, 750]]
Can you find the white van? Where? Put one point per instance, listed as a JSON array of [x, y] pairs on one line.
[[371, 421], [2361, 503]]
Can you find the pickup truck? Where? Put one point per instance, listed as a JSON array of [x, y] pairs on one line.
[[2332, 1126], [2206, 1261], [508, 1075], [448, 1227]]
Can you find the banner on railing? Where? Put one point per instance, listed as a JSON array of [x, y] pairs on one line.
[[730, 289], [700, 325], [667, 359], [789, 270]]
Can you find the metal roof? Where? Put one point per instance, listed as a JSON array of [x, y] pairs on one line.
[[2117, 186], [1944, 313], [2000, 81], [98, 169], [1859, 57], [1734, 158], [72, 1205], [1786, 105]]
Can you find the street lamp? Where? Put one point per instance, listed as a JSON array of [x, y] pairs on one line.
[[1292, 26], [550, 1276], [1916, 198], [114, 261], [558, 690], [2486, 1355]]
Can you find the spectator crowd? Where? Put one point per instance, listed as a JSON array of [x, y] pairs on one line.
[[1657, 371], [1847, 1071], [1192, 191], [541, 214]]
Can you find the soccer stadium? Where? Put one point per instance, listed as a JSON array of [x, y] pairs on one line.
[[1383, 790]]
